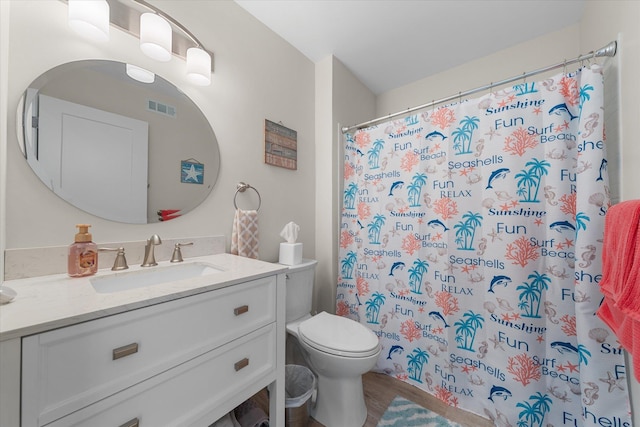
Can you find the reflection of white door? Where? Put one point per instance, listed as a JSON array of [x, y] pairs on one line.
[[94, 159]]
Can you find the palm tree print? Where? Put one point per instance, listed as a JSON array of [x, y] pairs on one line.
[[584, 95], [346, 267], [531, 294], [462, 136], [374, 154], [533, 413], [466, 230], [374, 229], [530, 180], [373, 307], [581, 222], [416, 273], [350, 196], [417, 359], [583, 353], [467, 328], [415, 188]]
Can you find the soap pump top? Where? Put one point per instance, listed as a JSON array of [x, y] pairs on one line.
[[83, 234]]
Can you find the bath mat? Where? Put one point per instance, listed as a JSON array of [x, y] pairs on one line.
[[405, 413]]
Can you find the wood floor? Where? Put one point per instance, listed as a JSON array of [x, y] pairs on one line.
[[380, 390]]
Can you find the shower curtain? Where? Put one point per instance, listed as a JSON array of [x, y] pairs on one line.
[[470, 243]]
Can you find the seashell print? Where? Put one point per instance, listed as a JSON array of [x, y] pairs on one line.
[[598, 334]]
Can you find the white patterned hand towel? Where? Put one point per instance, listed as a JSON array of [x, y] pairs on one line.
[[244, 237]]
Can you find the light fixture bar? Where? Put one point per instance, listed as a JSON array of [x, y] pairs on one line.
[[125, 15]]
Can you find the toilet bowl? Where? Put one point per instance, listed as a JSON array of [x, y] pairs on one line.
[[337, 349]]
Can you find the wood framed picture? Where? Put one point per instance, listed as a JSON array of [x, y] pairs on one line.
[[280, 145]]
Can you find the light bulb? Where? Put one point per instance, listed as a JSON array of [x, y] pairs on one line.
[[140, 74], [198, 66], [90, 18], [155, 37]]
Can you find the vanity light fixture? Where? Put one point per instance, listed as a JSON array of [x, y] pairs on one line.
[[155, 37], [140, 74], [90, 18], [161, 36]]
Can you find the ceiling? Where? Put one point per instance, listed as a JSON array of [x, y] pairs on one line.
[[390, 43]]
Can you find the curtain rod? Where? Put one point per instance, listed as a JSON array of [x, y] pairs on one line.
[[608, 50]]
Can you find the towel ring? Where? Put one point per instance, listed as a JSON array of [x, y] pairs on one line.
[[241, 187]]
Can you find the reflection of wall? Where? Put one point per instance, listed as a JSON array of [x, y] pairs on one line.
[[188, 135], [257, 76]]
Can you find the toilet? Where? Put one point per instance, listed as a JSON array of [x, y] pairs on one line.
[[338, 350]]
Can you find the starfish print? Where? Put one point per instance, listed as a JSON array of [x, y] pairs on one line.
[[394, 232], [561, 368], [538, 221], [566, 125], [492, 132], [450, 268], [540, 338], [515, 316], [514, 203], [568, 242], [464, 172], [450, 367], [511, 98], [421, 310], [392, 153], [558, 129], [496, 342], [436, 147], [559, 246], [437, 330], [494, 235], [572, 367], [537, 111], [466, 369], [465, 269], [502, 103], [448, 174], [438, 236], [613, 382], [505, 207], [506, 317]]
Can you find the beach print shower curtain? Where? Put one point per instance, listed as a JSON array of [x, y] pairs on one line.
[[470, 243]]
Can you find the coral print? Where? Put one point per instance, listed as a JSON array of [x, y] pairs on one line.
[[471, 244]]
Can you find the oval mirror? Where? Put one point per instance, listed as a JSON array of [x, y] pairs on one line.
[[127, 150]]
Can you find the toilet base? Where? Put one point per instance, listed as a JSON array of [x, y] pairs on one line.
[[340, 402]]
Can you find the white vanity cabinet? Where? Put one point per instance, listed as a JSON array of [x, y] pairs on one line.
[[183, 362]]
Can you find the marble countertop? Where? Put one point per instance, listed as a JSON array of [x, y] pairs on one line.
[[54, 301]]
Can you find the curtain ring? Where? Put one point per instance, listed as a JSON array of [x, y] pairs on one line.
[[564, 66]]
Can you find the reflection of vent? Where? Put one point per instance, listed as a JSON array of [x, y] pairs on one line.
[[164, 109]]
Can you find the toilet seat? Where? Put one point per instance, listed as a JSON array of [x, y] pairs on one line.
[[338, 335]]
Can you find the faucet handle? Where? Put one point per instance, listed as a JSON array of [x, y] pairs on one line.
[[177, 253], [120, 262]]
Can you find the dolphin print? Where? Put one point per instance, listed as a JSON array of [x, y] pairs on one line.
[[395, 349], [559, 226], [499, 391], [431, 136], [437, 223], [397, 184], [498, 173], [397, 264], [562, 108], [499, 280], [603, 167], [564, 347], [437, 316]]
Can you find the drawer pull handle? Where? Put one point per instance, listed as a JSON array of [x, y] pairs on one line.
[[133, 423], [124, 351], [241, 364], [241, 310]]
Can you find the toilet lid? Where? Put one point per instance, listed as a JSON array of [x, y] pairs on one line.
[[338, 335]]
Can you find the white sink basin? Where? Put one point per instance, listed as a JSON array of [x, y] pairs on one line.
[[151, 276]]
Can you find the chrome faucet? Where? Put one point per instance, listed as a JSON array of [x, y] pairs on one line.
[[149, 256]]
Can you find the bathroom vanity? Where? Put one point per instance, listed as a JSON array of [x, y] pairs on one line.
[[179, 353]]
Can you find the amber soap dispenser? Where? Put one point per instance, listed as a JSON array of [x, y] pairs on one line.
[[83, 254]]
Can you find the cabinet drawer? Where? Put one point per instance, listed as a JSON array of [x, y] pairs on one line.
[[183, 395], [67, 369]]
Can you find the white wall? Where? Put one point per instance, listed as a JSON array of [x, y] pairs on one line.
[[341, 99], [257, 76]]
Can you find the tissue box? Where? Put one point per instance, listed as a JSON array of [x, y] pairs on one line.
[[290, 253]]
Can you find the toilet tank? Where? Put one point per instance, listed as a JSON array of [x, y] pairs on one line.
[[299, 289]]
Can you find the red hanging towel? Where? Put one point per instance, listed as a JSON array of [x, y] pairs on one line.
[[620, 282]]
